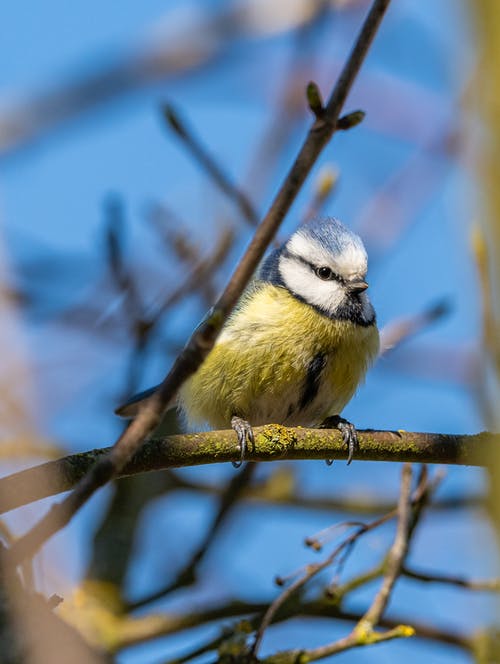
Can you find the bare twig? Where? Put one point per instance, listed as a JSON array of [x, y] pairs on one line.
[[208, 646], [324, 187], [160, 54], [187, 575], [115, 254], [289, 108], [279, 488], [199, 274], [174, 233], [406, 190], [487, 585], [396, 555], [402, 329], [364, 632], [420, 500], [210, 165], [204, 337], [125, 283], [272, 442], [422, 630], [153, 626], [177, 237], [338, 555]]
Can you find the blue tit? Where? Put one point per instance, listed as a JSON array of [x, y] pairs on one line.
[[297, 345]]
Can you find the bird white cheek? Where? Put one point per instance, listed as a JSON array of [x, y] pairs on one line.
[[351, 262], [327, 295]]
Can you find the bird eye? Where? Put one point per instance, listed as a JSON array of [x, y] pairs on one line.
[[324, 273]]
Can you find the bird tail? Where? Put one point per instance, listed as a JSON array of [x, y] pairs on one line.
[[130, 408]]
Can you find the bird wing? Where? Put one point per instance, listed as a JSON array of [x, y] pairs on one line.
[[130, 408]]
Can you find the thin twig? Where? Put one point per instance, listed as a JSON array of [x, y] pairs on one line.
[[146, 628], [204, 337], [289, 107], [126, 285], [160, 54], [115, 256], [208, 646], [487, 585], [420, 500], [174, 233], [176, 236], [199, 274], [210, 165], [187, 574], [402, 329], [279, 488], [312, 570], [324, 187], [396, 555], [363, 633]]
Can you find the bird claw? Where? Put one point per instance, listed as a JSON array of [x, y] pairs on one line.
[[349, 434], [245, 435]]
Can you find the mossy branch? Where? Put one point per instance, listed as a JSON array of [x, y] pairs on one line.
[[272, 442]]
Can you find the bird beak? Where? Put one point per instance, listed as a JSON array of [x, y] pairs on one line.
[[357, 287]]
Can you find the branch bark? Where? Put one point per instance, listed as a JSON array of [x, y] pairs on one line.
[[272, 443]]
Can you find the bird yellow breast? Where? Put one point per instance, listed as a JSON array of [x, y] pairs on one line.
[[258, 368]]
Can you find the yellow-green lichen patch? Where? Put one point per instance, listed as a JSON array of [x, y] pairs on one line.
[[217, 444], [275, 439]]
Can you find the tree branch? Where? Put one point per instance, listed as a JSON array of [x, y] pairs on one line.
[[272, 442], [280, 488], [395, 558], [486, 585], [364, 631], [338, 556], [419, 501], [204, 337], [133, 631], [209, 165], [187, 574]]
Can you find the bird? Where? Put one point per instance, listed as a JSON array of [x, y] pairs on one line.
[[297, 345]]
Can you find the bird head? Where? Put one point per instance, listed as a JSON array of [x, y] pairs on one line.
[[324, 264]]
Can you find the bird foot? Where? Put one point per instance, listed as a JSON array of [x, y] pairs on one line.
[[245, 435], [348, 431]]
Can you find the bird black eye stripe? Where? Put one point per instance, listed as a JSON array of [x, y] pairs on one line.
[[327, 274], [332, 276]]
